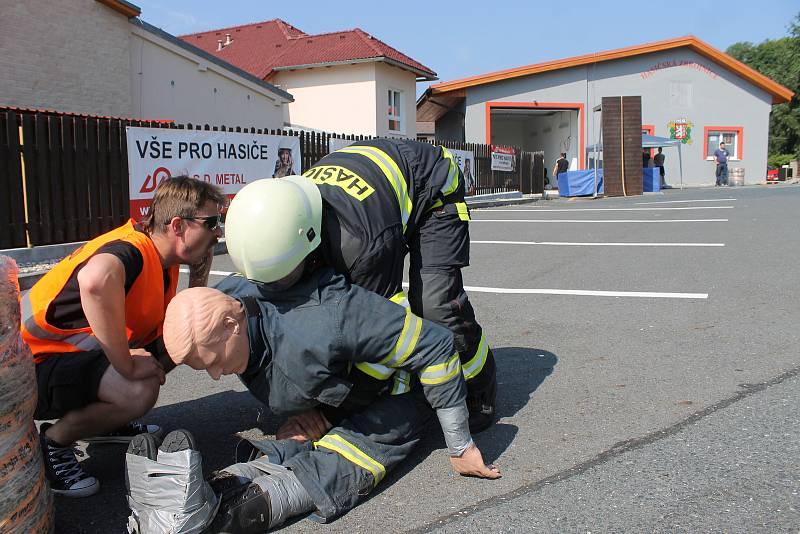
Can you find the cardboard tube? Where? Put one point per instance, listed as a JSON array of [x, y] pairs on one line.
[[26, 504]]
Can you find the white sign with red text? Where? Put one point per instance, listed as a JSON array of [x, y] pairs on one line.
[[502, 158], [227, 159]]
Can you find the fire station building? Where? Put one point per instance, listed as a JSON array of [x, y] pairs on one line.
[[690, 91]]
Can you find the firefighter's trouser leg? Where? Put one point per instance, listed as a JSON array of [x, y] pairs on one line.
[[436, 292], [352, 458], [268, 495]]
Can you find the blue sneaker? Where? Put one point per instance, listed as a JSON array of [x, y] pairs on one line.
[[66, 476]]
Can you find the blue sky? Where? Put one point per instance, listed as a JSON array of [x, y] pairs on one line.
[[459, 39]]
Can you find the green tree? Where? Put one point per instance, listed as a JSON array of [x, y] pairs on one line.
[[779, 59]]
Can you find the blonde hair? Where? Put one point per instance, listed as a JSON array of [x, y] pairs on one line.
[[180, 196]]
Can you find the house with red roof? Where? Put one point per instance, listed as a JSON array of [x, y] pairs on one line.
[[342, 82], [101, 58], [690, 92]]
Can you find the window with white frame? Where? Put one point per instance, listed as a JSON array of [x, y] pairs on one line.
[[729, 137], [395, 114]]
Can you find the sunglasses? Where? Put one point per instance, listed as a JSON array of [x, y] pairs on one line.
[[212, 222]]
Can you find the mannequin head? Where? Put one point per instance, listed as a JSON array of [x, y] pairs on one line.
[[206, 329]]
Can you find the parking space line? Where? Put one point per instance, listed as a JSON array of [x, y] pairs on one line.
[[594, 221], [584, 292], [693, 200], [588, 293], [215, 273], [574, 292], [574, 244], [617, 209]]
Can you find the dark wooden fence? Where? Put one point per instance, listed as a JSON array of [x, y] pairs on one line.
[[64, 177], [532, 172], [621, 130], [12, 195]]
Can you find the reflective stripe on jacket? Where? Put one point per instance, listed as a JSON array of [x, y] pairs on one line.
[[145, 302]]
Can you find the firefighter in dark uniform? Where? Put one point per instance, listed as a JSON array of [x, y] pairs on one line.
[[265, 337], [383, 199]]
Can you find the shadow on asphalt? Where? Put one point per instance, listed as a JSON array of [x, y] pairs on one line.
[[520, 372]]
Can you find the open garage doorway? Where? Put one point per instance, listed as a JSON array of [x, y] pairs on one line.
[[551, 128]]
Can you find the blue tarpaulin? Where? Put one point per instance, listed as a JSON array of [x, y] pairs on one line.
[[577, 183], [651, 179]]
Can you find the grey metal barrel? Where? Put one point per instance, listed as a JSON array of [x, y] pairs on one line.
[[736, 176]]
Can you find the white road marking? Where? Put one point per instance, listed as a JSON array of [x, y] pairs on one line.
[[571, 244], [616, 209], [694, 200], [215, 273], [584, 292], [588, 293], [575, 292], [595, 221]]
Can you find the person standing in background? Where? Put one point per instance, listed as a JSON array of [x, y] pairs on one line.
[[658, 161], [721, 158], [561, 166]]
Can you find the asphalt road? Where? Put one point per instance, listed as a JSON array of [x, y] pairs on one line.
[[666, 403]]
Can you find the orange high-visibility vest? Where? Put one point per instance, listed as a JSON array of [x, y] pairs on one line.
[[145, 303]]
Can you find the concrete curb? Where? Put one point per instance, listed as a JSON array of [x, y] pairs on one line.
[[490, 201]]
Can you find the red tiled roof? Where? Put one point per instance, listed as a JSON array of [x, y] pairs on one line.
[[262, 48]]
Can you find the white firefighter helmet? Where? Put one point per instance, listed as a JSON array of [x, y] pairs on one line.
[[272, 225]]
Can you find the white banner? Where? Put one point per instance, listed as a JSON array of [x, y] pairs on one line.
[[502, 158], [466, 162], [227, 159]]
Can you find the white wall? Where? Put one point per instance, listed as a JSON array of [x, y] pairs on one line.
[[69, 55], [390, 77], [340, 99], [349, 99], [169, 82]]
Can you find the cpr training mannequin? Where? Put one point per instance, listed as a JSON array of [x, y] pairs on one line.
[[293, 348]]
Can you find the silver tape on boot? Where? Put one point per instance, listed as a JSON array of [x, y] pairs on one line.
[[288, 497], [169, 495]]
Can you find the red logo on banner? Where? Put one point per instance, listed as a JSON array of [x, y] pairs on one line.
[[153, 180], [503, 149]]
